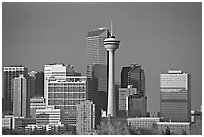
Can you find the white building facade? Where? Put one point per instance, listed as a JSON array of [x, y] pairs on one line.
[[85, 117]]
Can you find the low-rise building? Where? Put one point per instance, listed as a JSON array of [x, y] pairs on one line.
[[142, 122], [175, 127], [36, 103], [49, 116]]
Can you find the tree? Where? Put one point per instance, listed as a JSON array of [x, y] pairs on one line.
[[167, 131], [112, 128], [196, 128]]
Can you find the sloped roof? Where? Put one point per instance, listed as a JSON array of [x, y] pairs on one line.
[[95, 32]]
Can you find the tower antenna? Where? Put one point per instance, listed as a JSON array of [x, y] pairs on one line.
[[111, 28]]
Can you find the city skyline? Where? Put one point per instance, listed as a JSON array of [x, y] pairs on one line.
[[157, 36]]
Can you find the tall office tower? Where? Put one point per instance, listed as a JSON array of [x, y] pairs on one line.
[[85, 117], [20, 97], [136, 106], [123, 94], [95, 51], [66, 94], [133, 75], [97, 64], [57, 70], [175, 95], [36, 84], [36, 103], [10, 73]]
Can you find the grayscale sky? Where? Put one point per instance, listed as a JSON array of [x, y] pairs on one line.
[[158, 36]]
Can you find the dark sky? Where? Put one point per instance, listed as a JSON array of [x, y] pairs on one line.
[[158, 36]]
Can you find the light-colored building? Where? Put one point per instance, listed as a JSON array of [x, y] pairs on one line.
[[175, 127], [47, 127], [175, 96], [85, 117], [142, 122], [20, 97], [67, 93], [123, 93], [49, 116], [7, 122], [10, 72], [57, 70], [36, 103]]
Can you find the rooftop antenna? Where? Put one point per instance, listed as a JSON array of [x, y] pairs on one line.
[[111, 31]]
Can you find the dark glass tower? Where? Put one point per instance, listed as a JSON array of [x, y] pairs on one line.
[[133, 75], [36, 84]]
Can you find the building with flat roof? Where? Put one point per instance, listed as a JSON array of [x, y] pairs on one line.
[[36, 103], [175, 127], [123, 94], [142, 122], [175, 95], [67, 93], [136, 106], [9, 73], [85, 117], [57, 70], [49, 116], [21, 97]]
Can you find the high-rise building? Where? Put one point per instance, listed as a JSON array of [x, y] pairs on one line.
[[36, 103], [20, 97], [133, 75], [175, 95], [123, 94], [95, 50], [97, 64], [36, 84], [57, 70], [10, 72], [85, 117], [67, 93], [136, 106]]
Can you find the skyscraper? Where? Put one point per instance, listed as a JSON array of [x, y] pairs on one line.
[[21, 97], [95, 50], [57, 70], [96, 62], [85, 117], [175, 94], [10, 72], [36, 83], [133, 75]]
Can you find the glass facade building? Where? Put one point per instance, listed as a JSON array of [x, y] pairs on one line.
[[175, 96], [9, 73], [133, 75]]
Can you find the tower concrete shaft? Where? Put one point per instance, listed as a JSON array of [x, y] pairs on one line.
[[111, 44]]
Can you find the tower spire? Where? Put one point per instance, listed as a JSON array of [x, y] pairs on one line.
[[111, 31]]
